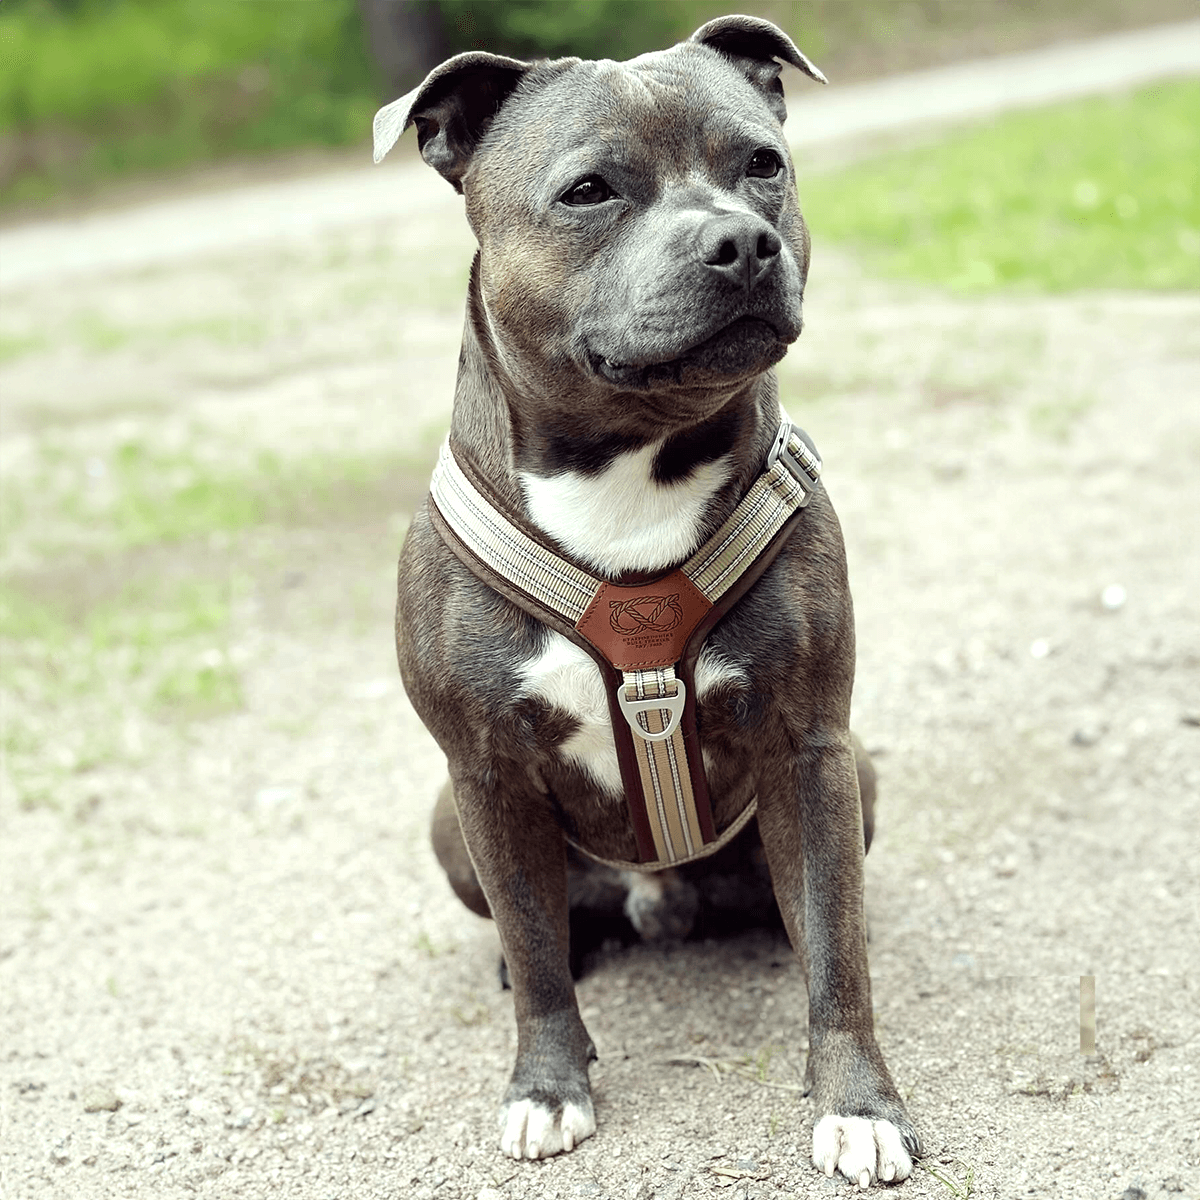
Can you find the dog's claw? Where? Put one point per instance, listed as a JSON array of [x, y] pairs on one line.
[[863, 1150], [530, 1130]]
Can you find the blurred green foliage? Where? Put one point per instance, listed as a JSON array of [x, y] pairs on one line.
[[76, 60], [1097, 193], [92, 88], [583, 28]]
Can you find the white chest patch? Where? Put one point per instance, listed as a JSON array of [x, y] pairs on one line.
[[565, 677], [621, 519]]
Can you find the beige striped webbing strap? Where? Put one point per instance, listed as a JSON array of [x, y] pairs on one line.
[[642, 633]]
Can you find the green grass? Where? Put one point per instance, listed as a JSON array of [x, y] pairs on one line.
[[964, 1188], [95, 89], [122, 611], [16, 345], [140, 495], [1101, 193], [90, 89], [155, 653]]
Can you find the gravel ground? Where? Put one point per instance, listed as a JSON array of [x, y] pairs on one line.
[[229, 966]]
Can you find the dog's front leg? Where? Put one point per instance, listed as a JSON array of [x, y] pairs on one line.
[[520, 858], [811, 826]]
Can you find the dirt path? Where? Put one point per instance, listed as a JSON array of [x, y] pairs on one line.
[[228, 964], [176, 229]]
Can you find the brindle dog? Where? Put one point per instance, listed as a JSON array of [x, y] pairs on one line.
[[641, 266]]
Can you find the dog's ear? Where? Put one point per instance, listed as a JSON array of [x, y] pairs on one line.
[[452, 110], [754, 46]]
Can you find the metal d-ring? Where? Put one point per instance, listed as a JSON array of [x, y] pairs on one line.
[[673, 705], [798, 468]]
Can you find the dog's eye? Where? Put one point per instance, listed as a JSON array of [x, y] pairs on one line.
[[589, 190], [764, 164]]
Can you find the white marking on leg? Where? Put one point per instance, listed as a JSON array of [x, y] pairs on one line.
[[861, 1149], [894, 1162], [621, 518], [531, 1130]]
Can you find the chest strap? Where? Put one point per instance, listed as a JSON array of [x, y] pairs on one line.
[[645, 638]]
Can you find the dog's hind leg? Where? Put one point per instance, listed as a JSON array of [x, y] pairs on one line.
[[865, 770], [451, 852]]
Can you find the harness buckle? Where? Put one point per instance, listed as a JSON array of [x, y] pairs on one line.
[[632, 709], [802, 469]]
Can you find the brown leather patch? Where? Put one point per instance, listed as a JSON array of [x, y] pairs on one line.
[[644, 626]]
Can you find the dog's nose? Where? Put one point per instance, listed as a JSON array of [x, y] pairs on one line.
[[739, 246]]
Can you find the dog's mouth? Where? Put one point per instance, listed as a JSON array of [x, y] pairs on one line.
[[740, 350]]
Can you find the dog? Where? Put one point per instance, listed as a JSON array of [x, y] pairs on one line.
[[641, 268]]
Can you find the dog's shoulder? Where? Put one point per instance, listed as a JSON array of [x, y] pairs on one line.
[[459, 642]]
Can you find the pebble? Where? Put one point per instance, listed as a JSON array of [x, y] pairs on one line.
[[1006, 868], [268, 798], [1113, 597], [101, 1099]]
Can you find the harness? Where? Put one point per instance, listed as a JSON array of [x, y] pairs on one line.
[[644, 638]]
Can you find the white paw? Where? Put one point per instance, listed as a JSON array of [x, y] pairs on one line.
[[533, 1131], [863, 1150]]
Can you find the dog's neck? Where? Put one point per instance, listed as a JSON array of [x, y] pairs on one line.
[[615, 502]]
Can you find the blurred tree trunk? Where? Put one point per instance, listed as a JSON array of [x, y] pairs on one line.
[[406, 39]]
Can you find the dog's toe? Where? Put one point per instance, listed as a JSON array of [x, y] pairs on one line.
[[532, 1130], [861, 1149], [894, 1161]]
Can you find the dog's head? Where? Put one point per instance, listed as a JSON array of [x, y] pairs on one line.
[[637, 221]]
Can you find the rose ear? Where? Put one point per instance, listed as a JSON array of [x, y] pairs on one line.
[[452, 110], [754, 47]]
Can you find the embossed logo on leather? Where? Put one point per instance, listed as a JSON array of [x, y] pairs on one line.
[[645, 625], [645, 614]]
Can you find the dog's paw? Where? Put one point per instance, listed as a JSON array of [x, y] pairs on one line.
[[662, 907], [531, 1130], [865, 1151]]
